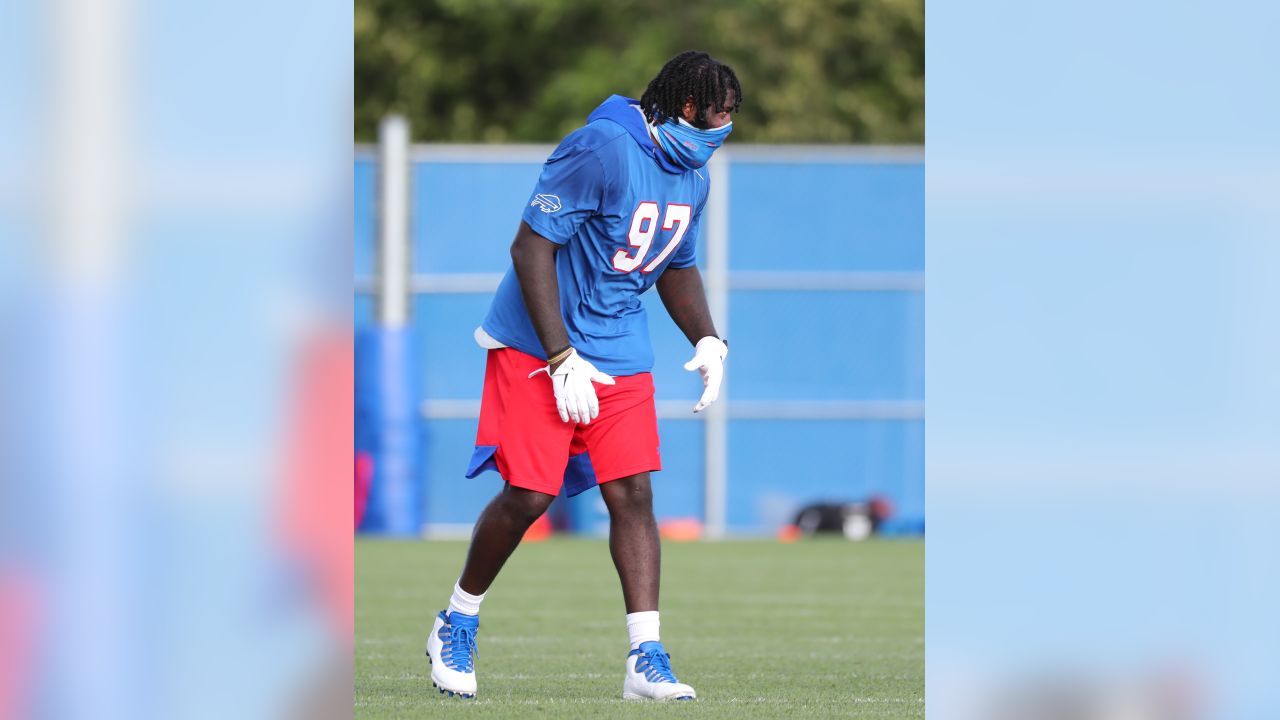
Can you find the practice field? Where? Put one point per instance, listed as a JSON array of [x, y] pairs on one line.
[[760, 629]]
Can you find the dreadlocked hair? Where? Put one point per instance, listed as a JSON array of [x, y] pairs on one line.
[[689, 74]]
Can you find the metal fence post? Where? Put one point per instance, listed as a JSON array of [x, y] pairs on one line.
[[387, 422], [393, 231]]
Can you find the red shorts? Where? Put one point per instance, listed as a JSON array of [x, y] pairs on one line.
[[522, 436]]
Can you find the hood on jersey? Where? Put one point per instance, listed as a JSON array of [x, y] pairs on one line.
[[626, 112]]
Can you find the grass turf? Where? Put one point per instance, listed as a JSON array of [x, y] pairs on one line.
[[822, 628]]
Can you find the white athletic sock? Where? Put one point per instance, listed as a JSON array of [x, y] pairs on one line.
[[464, 602], [642, 627]]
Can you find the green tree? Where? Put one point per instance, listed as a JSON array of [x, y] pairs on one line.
[[825, 71]]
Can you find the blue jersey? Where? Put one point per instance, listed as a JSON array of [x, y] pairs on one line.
[[622, 213]]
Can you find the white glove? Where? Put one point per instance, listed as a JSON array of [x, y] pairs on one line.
[[575, 395], [708, 357]]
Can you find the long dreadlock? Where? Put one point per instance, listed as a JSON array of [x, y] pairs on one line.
[[690, 74]]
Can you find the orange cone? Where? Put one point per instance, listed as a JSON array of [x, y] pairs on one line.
[[788, 534]]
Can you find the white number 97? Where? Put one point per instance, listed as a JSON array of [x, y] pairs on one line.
[[644, 223]]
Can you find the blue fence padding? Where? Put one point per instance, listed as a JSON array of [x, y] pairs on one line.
[[387, 428], [465, 215], [842, 216], [853, 346], [456, 370], [446, 449], [862, 346], [678, 490]]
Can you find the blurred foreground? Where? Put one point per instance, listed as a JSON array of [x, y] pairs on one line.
[[175, 399]]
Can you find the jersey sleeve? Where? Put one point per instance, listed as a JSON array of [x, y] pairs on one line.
[[568, 191]]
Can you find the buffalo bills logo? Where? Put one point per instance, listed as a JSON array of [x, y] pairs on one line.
[[546, 203]]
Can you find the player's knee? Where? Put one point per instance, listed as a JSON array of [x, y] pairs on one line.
[[526, 505], [630, 495]]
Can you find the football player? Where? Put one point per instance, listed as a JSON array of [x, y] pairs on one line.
[[568, 394]]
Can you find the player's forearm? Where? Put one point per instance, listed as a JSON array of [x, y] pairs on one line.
[[534, 259], [686, 301]]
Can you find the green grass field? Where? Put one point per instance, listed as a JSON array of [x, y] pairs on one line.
[[760, 629]]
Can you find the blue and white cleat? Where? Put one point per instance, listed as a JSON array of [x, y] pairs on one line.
[[649, 676], [451, 648]]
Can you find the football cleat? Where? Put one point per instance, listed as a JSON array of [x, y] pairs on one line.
[[451, 649], [649, 676]]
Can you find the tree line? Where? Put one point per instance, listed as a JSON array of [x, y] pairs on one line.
[[812, 71]]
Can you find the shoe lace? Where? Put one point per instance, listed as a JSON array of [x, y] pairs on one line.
[[658, 668], [461, 648]]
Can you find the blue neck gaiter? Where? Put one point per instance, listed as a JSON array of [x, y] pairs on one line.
[[687, 145]]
